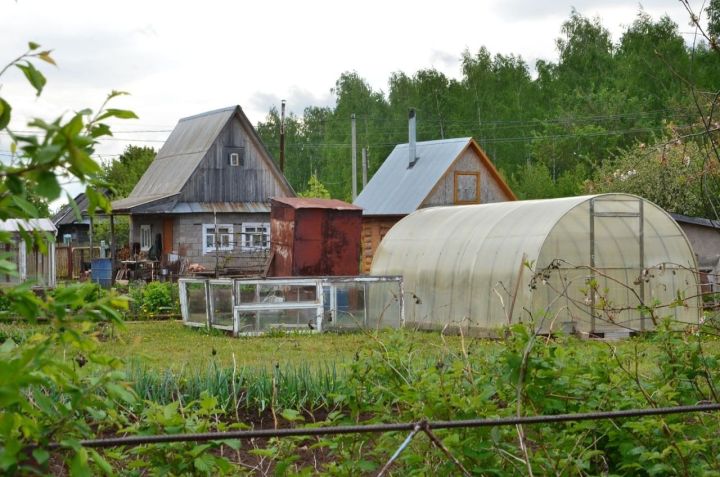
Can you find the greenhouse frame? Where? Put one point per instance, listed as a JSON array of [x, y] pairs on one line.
[[294, 304], [598, 265]]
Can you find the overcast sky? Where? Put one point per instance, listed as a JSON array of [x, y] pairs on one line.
[[181, 58]]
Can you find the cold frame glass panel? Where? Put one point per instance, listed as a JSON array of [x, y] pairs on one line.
[[221, 296]]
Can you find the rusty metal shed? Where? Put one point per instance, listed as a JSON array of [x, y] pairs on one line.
[[314, 237]]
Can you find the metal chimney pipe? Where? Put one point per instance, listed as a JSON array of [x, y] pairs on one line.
[[411, 138]]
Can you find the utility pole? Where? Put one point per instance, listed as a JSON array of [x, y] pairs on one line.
[[364, 167], [282, 136], [354, 158]]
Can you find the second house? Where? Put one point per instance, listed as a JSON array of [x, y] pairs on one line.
[[206, 196]]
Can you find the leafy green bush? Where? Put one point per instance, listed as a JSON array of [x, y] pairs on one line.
[[532, 375], [157, 297], [135, 294]]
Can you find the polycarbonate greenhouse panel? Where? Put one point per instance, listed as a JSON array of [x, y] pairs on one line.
[[385, 305], [589, 261]]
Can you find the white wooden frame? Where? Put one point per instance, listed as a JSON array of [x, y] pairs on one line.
[[215, 248], [244, 235], [317, 304], [185, 309], [211, 303]]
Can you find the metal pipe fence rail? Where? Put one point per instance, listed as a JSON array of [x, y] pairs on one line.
[[394, 427]]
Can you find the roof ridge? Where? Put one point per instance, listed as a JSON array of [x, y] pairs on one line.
[[439, 141], [209, 113]]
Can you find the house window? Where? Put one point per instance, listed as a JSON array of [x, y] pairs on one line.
[[255, 236], [145, 237], [467, 187], [234, 156], [217, 237]]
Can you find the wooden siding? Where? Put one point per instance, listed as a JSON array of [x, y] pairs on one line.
[[469, 162], [215, 180], [373, 231]]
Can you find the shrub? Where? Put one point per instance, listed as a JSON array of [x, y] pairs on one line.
[[157, 297]]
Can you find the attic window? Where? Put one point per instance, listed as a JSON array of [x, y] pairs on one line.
[[467, 187], [234, 156]]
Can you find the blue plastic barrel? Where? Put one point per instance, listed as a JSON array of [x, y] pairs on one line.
[[343, 300], [102, 271]]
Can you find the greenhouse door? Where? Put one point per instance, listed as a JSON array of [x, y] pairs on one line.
[[617, 259]]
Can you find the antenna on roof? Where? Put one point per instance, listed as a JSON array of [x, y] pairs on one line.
[[282, 136]]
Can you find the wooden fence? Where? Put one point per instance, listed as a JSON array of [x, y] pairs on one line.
[[71, 262]]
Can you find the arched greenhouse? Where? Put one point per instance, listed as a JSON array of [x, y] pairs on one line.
[[598, 264]]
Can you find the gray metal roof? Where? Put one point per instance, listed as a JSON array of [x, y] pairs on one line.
[[220, 207], [31, 225], [715, 224], [124, 205], [66, 214], [181, 154], [396, 189]]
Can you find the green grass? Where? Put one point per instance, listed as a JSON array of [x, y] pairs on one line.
[[164, 345]]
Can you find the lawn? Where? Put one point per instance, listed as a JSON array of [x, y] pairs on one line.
[[165, 345]]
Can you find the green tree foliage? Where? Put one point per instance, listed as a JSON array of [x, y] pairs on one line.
[[123, 173], [101, 230], [600, 96], [674, 174], [535, 181], [315, 189], [713, 14]]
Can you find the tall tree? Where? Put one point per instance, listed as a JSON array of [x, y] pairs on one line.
[[123, 173]]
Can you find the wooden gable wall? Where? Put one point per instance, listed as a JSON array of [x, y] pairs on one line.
[[443, 193], [215, 180]]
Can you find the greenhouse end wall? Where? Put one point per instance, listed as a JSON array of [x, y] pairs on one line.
[[596, 264]]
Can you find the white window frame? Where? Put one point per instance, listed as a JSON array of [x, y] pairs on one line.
[[145, 237], [210, 229], [249, 235], [235, 159]]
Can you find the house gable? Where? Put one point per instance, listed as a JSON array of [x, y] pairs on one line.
[[397, 189], [193, 167], [250, 176], [471, 162]]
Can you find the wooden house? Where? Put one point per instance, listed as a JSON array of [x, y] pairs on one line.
[[426, 174], [206, 196], [71, 229]]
